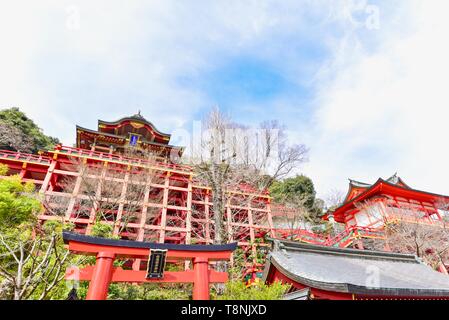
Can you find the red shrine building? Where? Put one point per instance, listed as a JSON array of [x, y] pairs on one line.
[[367, 205], [175, 208], [133, 131]]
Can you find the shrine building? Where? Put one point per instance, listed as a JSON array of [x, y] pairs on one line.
[[329, 273], [132, 131], [175, 207], [371, 205]]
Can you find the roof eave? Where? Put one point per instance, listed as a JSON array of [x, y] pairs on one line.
[[144, 121]]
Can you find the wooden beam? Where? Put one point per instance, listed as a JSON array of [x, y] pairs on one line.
[[120, 275]]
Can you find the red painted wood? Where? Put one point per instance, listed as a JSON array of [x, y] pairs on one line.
[[90, 249], [120, 275], [101, 277], [382, 187], [103, 272], [201, 279], [276, 275]]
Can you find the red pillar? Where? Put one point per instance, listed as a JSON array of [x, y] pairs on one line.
[[101, 277], [23, 173], [201, 279]]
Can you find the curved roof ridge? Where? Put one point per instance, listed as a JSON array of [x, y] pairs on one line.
[[359, 183], [135, 117], [368, 254]]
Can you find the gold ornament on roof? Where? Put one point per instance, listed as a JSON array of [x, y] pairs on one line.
[[137, 125]]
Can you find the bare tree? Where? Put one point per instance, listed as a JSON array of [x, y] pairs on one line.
[[111, 194], [409, 228], [30, 265], [12, 138], [293, 215], [429, 242], [234, 158], [334, 198]]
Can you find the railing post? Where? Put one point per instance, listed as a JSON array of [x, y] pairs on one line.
[[201, 279], [101, 277]]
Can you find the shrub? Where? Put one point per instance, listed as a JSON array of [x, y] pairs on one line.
[[237, 290]]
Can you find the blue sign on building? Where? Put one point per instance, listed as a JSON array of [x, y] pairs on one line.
[[133, 140]]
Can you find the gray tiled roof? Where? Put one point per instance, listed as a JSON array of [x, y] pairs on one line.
[[394, 179], [297, 295], [354, 271], [359, 184]]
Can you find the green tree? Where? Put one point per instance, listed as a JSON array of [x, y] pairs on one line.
[[20, 133], [290, 188], [149, 291], [32, 257], [238, 290], [299, 192], [16, 204]]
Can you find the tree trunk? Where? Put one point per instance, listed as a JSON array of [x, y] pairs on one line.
[[221, 234]]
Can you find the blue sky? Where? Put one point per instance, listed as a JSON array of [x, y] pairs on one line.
[[362, 83]]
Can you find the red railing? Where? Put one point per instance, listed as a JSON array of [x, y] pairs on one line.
[[25, 157], [114, 157], [278, 210], [300, 235], [392, 217], [343, 238]]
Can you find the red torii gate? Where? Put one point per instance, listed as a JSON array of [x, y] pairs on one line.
[[107, 250]]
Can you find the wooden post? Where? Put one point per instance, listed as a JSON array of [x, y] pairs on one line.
[[201, 279], [23, 172], [189, 212], [270, 218], [251, 233], [101, 277], [75, 192], [48, 176], [164, 209], [143, 219]]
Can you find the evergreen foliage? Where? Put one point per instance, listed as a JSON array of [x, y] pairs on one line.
[[289, 188], [20, 133], [298, 189], [238, 290], [17, 204], [32, 258]]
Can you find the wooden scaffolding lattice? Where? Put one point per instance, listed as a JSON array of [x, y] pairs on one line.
[[172, 206]]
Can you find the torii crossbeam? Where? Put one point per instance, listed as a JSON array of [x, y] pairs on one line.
[[107, 250]]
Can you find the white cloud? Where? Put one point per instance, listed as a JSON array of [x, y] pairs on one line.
[[388, 110], [68, 62], [376, 111]]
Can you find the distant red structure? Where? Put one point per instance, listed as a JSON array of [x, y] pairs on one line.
[[391, 198], [367, 208]]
